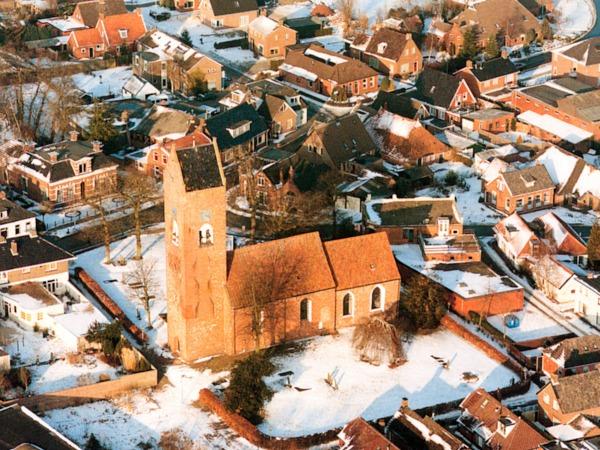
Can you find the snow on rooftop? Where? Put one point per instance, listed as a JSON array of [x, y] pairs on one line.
[[396, 125], [325, 57], [78, 322], [518, 234], [559, 164], [299, 72], [263, 25], [466, 279], [589, 181], [557, 127]]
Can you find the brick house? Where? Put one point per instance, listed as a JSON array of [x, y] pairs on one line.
[[521, 190], [444, 96], [486, 423], [65, 172], [88, 12], [571, 356], [516, 240], [493, 78], [566, 99], [320, 70], [210, 311], [268, 38], [490, 119], [360, 435], [388, 51], [271, 182], [445, 36], [222, 13], [507, 18], [168, 64], [581, 59], [563, 399], [111, 34], [162, 124]]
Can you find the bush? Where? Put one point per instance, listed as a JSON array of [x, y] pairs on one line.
[[377, 341], [247, 392], [94, 444], [423, 302], [108, 335], [451, 178]]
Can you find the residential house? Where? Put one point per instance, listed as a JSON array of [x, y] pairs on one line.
[[517, 241], [565, 398], [553, 130], [444, 96], [581, 431], [162, 124], [268, 38], [30, 305], [581, 59], [202, 276], [445, 36], [406, 142], [566, 99], [338, 142], [22, 429], [239, 132], [169, 64], [88, 12], [140, 89], [520, 190], [26, 257], [487, 423], [389, 51], [111, 34], [571, 356], [492, 79], [505, 19], [492, 120], [65, 172], [271, 183], [222, 13], [358, 434], [320, 70]]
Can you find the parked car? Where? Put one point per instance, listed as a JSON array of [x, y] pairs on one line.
[[160, 16]]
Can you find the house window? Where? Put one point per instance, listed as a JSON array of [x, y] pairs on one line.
[[40, 316], [123, 33], [82, 167], [260, 181], [17, 229], [274, 51], [306, 310], [155, 155], [174, 232], [347, 305], [377, 298], [205, 235], [51, 266], [164, 159], [519, 203], [83, 50]]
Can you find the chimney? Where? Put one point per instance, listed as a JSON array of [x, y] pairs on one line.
[[125, 116], [504, 54], [404, 403], [96, 146], [53, 156], [14, 250], [2, 195], [73, 135], [589, 275], [408, 36], [469, 64]]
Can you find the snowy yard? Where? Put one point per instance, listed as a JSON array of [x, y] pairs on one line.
[[377, 8], [110, 279], [142, 416], [533, 325], [370, 391], [568, 215], [472, 211], [574, 17], [103, 83]]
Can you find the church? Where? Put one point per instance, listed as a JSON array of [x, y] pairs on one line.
[[230, 302]]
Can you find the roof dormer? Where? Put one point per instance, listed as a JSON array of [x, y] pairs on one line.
[[381, 47], [239, 128]]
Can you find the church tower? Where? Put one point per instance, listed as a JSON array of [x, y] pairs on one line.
[[195, 243]]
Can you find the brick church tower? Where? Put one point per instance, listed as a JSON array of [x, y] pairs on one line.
[[195, 242]]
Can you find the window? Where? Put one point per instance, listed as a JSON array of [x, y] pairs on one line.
[[260, 181], [82, 167], [51, 266], [347, 305], [40, 316], [206, 236], [83, 50], [123, 33], [174, 232], [377, 299], [17, 229], [519, 203], [26, 269], [164, 159], [306, 310], [274, 51], [155, 155], [98, 46]]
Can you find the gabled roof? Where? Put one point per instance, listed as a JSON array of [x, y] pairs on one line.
[[31, 251], [493, 68], [15, 212], [576, 351], [90, 10], [224, 7], [562, 234], [263, 25], [529, 179], [165, 122], [361, 260], [516, 233], [431, 434], [402, 212], [217, 126], [392, 42], [586, 52], [132, 22], [200, 168], [359, 435], [580, 392], [395, 102], [487, 412], [435, 88], [86, 37]]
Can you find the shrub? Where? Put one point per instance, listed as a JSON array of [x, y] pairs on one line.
[[377, 342], [247, 391], [108, 335], [23, 377], [451, 178], [423, 302], [94, 444]]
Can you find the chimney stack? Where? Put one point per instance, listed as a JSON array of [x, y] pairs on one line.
[[2, 195], [504, 54], [73, 135], [404, 403], [469, 64], [97, 146], [14, 250], [53, 156]]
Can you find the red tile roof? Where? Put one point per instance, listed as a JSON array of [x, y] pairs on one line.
[[86, 37], [109, 26], [359, 435]]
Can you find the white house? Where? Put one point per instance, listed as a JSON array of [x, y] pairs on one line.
[[30, 304]]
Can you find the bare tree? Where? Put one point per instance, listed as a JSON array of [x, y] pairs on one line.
[[98, 201], [143, 284], [346, 9], [377, 341], [137, 189], [64, 103]]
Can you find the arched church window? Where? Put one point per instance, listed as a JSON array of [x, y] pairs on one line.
[[206, 235]]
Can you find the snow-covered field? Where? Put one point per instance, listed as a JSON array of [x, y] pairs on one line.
[[533, 325], [380, 8], [110, 276], [103, 83], [574, 17], [370, 391], [140, 417]]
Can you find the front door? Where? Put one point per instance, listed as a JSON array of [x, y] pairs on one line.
[[91, 52], [5, 310], [82, 189]]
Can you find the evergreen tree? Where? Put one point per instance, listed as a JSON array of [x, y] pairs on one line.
[[387, 85], [247, 391], [94, 444], [491, 49], [593, 245], [423, 302], [101, 127], [470, 47], [186, 38], [547, 30]]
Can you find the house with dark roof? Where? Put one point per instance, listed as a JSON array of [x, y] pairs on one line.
[[492, 78], [389, 51], [571, 356], [567, 397], [222, 13], [65, 172], [520, 190], [22, 429], [444, 96], [337, 143], [320, 70], [487, 423], [238, 132], [88, 12], [581, 59]]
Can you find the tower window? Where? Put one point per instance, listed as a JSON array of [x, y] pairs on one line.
[[175, 233], [206, 236]]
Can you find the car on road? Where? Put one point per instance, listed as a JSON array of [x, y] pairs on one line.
[[160, 16]]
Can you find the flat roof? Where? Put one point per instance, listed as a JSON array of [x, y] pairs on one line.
[[557, 127]]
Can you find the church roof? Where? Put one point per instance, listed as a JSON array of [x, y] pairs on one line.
[[199, 168]]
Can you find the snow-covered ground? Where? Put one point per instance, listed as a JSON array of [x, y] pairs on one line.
[[379, 8], [568, 215], [110, 279], [573, 17], [103, 83], [141, 417], [533, 325], [370, 391], [473, 212]]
